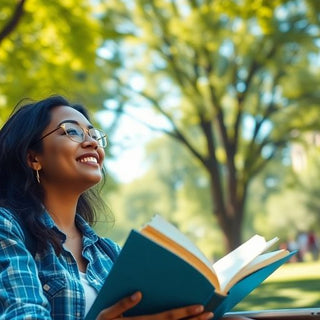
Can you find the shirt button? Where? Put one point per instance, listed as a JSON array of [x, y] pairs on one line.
[[46, 287]]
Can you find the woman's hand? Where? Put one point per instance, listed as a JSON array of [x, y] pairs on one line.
[[116, 311], [236, 318]]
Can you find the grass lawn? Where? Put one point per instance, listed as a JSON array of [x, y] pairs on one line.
[[294, 285]]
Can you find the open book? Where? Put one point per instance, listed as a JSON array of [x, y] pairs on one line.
[[170, 271]]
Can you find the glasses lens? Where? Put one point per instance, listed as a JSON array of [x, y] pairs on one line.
[[74, 132], [99, 136]]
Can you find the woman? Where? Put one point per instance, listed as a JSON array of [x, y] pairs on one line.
[[52, 264]]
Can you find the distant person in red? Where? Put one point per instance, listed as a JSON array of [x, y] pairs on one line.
[[313, 245]]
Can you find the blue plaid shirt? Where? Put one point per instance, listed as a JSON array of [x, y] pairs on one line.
[[47, 286]]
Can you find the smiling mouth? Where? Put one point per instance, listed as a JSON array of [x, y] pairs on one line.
[[88, 159]]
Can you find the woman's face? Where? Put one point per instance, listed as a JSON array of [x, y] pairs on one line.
[[64, 162]]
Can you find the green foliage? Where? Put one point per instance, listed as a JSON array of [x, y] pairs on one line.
[[52, 50], [235, 81], [300, 203], [186, 191], [176, 187], [285, 201]]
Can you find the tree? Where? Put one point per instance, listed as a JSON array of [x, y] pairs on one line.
[[234, 80], [174, 186], [13, 20], [289, 198], [50, 48]]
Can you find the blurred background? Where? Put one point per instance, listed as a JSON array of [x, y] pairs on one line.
[[211, 108]]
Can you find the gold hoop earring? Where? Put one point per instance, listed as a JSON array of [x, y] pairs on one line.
[[38, 176]]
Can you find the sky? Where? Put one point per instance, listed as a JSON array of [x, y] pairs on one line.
[[128, 142]]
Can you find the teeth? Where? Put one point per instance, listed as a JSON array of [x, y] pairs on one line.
[[89, 159]]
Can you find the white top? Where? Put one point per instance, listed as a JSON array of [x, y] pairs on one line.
[[89, 292]]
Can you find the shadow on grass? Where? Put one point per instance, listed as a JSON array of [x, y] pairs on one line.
[[283, 294]]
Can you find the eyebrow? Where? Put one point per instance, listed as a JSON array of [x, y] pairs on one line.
[[89, 126]]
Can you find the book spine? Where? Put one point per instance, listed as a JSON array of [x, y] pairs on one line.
[[214, 301]]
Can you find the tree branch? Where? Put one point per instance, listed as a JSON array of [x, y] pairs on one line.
[[175, 133], [13, 22]]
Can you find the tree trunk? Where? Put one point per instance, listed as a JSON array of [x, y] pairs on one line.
[[230, 214]]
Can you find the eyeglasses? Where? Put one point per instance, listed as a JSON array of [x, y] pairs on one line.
[[78, 134]]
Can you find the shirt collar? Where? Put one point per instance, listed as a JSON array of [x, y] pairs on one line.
[[85, 228], [48, 222], [88, 233]]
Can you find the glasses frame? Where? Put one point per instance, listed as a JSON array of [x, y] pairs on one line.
[[86, 131]]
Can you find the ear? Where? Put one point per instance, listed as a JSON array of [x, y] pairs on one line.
[[33, 161]]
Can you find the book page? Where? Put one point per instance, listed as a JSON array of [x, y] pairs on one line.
[[256, 264], [227, 267], [168, 236], [170, 231]]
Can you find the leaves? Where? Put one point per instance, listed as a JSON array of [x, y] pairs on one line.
[[226, 62], [52, 50], [234, 81]]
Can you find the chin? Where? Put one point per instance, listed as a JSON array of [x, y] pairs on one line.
[[96, 179], [88, 180]]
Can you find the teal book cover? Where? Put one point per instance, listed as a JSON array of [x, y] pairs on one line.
[[167, 281], [243, 288]]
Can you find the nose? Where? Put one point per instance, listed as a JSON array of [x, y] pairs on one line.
[[90, 142]]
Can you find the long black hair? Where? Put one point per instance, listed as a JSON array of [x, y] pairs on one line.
[[19, 190]]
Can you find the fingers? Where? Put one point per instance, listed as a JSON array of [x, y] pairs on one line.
[[116, 310], [194, 312], [202, 315], [236, 318]]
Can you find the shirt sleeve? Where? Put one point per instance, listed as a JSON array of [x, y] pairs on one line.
[[21, 295]]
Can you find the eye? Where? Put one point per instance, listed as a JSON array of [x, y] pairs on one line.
[[94, 134], [73, 130]]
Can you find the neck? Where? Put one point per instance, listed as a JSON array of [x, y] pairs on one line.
[[62, 208]]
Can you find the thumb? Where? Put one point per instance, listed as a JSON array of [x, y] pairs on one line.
[[115, 311]]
